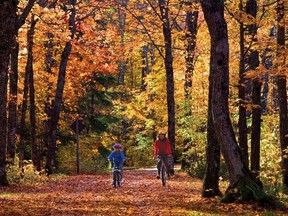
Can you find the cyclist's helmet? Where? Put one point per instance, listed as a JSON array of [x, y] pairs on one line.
[[117, 145], [162, 132]]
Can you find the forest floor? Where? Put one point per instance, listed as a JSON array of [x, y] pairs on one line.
[[140, 194]]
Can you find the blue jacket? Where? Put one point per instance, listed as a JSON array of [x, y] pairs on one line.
[[117, 157]]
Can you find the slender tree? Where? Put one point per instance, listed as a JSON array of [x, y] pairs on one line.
[[54, 112], [282, 89], [252, 61], [168, 61], [122, 24], [13, 81], [7, 33], [242, 122], [35, 148], [191, 22]]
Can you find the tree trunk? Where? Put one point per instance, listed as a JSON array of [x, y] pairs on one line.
[[28, 71], [7, 32], [282, 89], [211, 179], [13, 82], [192, 28], [35, 149], [253, 63], [122, 23], [54, 113], [12, 104], [145, 67], [242, 122], [164, 13], [256, 127], [240, 176]]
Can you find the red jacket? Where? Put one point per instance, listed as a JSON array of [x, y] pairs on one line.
[[162, 147]]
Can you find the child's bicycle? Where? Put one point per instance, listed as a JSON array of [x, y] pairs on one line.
[[117, 176]]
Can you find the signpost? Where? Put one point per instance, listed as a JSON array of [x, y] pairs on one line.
[[77, 127]]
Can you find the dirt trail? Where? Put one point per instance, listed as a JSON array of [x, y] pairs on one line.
[[141, 194]]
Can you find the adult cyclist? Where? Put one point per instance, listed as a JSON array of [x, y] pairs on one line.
[[162, 150]]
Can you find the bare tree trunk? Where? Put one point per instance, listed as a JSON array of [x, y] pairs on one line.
[[7, 33], [282, 89]]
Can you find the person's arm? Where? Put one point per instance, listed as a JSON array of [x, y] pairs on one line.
[[110, 157], [123, 157], [156, 148]]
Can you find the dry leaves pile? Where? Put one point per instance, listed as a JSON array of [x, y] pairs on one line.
[[140, 194]]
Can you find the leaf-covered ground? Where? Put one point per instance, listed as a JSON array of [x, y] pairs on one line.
[[141, 194]]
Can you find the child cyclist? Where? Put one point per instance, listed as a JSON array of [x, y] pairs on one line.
[[117, 157]]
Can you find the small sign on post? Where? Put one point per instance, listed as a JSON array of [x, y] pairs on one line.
[[77, 126]]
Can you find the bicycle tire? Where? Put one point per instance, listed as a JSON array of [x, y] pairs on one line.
[[115, 177], [163, 174], [118, 179]]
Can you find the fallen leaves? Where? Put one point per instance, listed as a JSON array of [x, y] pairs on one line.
[[141, 194]]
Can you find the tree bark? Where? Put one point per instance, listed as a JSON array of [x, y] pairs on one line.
[[253, 63], [211, 178], [256, 127], [7, 33], [22, 130], [13, 82], [145, 67], [192, 28], [168, 60], [282, 89], [12, 103], [35, 148], [242, 122]]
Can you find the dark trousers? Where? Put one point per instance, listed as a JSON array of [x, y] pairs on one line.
[[159, 163]]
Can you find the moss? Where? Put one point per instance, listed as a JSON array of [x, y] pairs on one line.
[[247, 189]]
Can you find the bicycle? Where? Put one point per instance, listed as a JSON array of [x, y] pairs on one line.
[[117, 176], [164, 172]]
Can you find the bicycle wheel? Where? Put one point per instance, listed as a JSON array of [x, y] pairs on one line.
[[119, 179], [163, 174], [115, 177]]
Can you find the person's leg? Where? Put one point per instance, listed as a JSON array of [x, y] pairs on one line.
[[121, 169], [158, 167], [166, 162]]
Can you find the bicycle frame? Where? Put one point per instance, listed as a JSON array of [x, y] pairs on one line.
[[117, 177], [163, 171]]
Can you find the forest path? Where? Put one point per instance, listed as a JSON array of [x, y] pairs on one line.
[[140, 194]]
